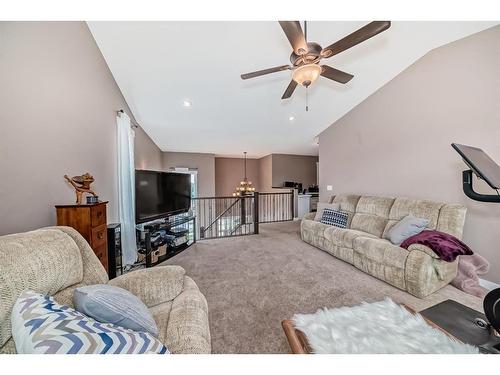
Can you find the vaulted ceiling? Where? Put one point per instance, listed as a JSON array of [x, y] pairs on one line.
[[160, 65]]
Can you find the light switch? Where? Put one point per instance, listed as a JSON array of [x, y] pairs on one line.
[[329, 187]]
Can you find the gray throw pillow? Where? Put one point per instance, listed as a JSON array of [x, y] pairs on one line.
[[110, 304], [322, 206], [405, 228]]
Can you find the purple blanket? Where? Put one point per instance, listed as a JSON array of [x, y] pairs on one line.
[[446, 246]]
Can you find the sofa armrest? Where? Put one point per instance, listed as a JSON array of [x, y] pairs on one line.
[[425, 272], [309, 216], [188, 330], [425, 249], [153, 285]]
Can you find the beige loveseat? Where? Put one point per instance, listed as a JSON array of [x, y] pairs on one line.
[[57, 260], [417, 270]]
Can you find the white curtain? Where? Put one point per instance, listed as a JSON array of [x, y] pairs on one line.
[[126, 188]]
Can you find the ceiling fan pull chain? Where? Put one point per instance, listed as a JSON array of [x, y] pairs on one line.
[[307, 100]]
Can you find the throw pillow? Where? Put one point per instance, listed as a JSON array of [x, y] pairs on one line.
[[42, 326], [335, 218], [321, 206], [110, 304], [446, 246], [405, 228]]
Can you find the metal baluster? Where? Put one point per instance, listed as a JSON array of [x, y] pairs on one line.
[[268, 205], [273, 210], [280, 207], [232, 218]]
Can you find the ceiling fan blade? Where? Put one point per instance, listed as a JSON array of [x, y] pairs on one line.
[[265, 71], [289, 90], [293, 32], [366, 32], [335, 74]]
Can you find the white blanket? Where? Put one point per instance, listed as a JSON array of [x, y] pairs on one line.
[[380, 327]]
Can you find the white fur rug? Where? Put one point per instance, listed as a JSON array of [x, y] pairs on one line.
[[380, 327]]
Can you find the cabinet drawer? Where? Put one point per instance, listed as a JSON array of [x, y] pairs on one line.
[[102, 254], [98, 215], [99, 236]]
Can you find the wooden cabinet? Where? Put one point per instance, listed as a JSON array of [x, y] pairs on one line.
[[90, 221]]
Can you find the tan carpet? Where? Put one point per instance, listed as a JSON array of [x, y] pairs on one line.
[[254, 282]]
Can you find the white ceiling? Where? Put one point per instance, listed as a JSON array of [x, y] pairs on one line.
[[157, 65]]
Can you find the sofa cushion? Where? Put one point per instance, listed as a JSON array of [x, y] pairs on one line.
[[93, 270], [42, 326], [378, 206], [381, 251], [369, 223], [415, 207], [345, 237], [348, 204], [372, 214], [315, 228], [451, 219], [380, 258], [153, 285]]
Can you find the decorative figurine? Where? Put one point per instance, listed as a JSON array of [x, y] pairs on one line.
[[81, 185]]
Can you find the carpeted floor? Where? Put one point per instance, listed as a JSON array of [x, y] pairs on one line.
[[254, 282]]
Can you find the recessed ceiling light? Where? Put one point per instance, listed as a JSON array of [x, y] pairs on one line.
[[187, 103], [291, 118]]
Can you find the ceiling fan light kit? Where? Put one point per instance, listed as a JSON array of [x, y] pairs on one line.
[[306, 74], [306, 56]]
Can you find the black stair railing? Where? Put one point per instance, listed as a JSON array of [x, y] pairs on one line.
[[219, 217]]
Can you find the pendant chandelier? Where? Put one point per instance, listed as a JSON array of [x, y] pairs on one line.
[[245, 187]]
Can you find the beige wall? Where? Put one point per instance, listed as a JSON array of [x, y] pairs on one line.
[[266, 173], [230, 171], [58, 103], [296, 168], [397, 142], [147, 155], [204, 163]]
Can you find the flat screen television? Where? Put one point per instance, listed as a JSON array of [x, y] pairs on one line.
[[161, 194], [480, 163]]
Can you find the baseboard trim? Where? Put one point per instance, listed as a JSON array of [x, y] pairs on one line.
[[490, 285]]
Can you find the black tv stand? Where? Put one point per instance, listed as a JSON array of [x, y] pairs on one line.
[[152, 238]]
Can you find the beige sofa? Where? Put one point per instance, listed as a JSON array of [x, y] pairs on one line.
[[417, 270], [57, 260]]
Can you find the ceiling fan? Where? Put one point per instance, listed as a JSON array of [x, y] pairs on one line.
[[306, 55]]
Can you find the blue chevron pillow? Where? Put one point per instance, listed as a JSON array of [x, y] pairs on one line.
[[42, 326], [336, 218]]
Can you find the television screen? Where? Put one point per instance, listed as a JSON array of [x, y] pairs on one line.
[[481, 164], [160, 194]]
